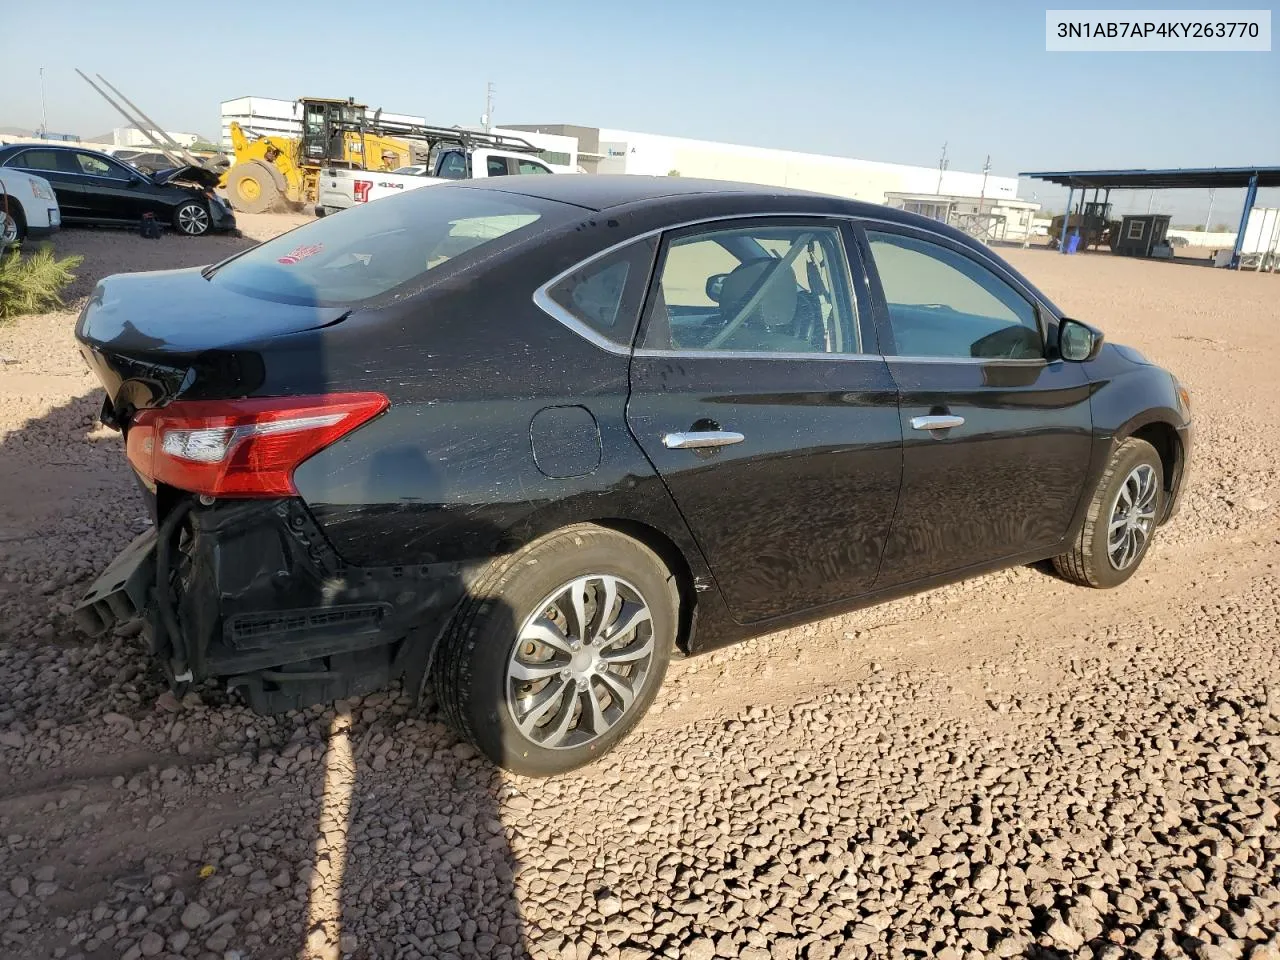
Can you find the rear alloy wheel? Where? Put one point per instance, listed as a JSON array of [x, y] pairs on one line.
[[560, 650], [192, 219], [1121, 520], [12, 229], [578, 661]]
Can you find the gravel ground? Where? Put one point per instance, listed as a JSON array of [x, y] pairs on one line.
[[1007, 767]]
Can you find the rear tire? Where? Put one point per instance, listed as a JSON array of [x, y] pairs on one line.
[[251, 188], [191, 219], [1121, 521], [493, 675]]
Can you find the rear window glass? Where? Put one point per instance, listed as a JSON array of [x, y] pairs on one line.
[[605, 294], [371, 249]]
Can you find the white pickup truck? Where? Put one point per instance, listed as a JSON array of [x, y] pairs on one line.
[[342, 188]]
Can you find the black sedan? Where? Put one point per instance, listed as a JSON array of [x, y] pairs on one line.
[[94, 188], [525, 440]]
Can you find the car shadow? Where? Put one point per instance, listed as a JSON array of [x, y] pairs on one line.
[[354, 828]]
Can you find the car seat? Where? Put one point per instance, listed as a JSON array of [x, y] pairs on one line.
[[770, 325]]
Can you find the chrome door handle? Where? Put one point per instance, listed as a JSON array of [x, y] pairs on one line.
[[936, 423], [701, 438]]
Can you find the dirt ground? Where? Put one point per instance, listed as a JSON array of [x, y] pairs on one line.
[[1010, 766]]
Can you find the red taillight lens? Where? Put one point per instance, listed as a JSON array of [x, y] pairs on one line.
[[242, 448]]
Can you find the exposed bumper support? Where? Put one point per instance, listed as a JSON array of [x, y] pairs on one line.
[[258, 597]]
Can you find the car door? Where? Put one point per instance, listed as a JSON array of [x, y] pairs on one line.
[[113, 192], [758, 394], [56, 167], [996, 430]]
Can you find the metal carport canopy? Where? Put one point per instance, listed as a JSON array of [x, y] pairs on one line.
[[1186, 178]]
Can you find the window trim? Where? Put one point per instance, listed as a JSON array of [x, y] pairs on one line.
[[582, 327], [1142, 229], [1041, 311], [855, 223]]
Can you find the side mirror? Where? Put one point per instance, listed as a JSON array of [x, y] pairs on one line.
[[715, 283], [1078, 342]]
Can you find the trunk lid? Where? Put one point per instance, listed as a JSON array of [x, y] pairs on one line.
[[151, 337]]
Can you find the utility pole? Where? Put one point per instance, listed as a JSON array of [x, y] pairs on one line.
[[982, 196], [487, 119], [1209, 216], [44, 113], [942, 166], [1151, 196]]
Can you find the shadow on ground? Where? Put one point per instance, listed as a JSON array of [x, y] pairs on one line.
[[138, 824]]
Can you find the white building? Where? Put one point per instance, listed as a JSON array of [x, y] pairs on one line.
[[986, 218], [626, 151], [134, 137]]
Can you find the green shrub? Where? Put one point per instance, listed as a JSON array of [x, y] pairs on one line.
[[30, 283]]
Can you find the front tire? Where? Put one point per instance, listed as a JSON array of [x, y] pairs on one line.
[[252, 188], [1121, 521], [559, 651], [191, 219], [13, 227]]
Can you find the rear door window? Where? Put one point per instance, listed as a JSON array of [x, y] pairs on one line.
[[37, 160], [497, 166], [377, 247]]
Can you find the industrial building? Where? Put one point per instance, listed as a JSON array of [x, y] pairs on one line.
[[987, 218], [624, 151]]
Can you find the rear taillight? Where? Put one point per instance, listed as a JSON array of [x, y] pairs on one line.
[[242, 448]]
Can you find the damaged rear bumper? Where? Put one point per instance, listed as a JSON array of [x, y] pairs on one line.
[[256, 596]]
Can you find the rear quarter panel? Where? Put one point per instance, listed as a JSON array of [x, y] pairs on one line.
[[449, 472]]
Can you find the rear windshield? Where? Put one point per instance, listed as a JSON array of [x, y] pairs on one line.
[[371, 249]]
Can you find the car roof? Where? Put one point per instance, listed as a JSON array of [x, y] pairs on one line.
[[602, 191], [599, 192]]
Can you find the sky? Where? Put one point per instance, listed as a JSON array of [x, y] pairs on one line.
[[874, 80]]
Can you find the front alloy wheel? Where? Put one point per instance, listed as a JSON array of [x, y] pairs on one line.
[[10, 231], [192, 219], [1121, 519], [1133, 516], [578, 661]]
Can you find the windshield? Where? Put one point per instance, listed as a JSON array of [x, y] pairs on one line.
[[369, 250]]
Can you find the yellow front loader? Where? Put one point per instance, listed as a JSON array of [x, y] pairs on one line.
[[272, 172]]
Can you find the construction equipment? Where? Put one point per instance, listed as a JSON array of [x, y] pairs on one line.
[[179, 155], [269, 171], [1092, 221], [337, 134]]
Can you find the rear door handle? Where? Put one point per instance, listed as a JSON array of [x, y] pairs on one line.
[[936, 423], [697, 439]]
